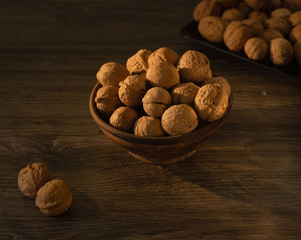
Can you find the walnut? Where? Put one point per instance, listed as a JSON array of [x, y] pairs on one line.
[[147, 126], [32, 178], [194, 66], [274, 4], [54, 198], [297, 50], [226, 4], [107, 100], [124, 118], [258, 4], [269, 34], [156, 101], [184, 93], [179, 119], [132, 90], [244, 8], [163, 75], [212, 28], [281, 51], [206, 8], [236, 35], [233, 14], [221, 82], [295, 18], [211, 102], [163, 54], [281, 13], [259, 16], [295, 34], [256, 49], [279, 24], [255, 26], [111, 74], [293, 5], [138, 63]]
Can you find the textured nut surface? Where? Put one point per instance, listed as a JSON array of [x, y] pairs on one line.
[[194, 66], [233, 14], [269, 34], [163, 75], [147, 126], [281, 13], [184, 93], [259, 16], [236, 35], [295, 34], [258, 4], [280, 24], [111, 74], [281, 51], [124, 118], [256, 49], [297, 50], [107, 100], [255, 26], [54, 198], [138, 63], [179, 119], [221, 82], [156, 101], [211, 102], [206, 8], [212, 28], [33, 177], [132, 90], [295, 18], [163, 54]]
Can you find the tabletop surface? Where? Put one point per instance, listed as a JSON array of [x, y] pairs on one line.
[[245, 183]]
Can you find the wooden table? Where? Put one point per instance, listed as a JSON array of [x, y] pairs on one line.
[[245, 183]]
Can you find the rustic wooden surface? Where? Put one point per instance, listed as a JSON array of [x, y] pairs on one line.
[[243, 184]]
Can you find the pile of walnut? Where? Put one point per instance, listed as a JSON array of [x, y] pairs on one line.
[[161, 93], [259, 27], [53, 197]]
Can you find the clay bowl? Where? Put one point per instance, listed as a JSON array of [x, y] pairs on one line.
[[157, 150]]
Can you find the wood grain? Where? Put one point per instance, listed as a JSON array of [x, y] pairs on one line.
[[243, 184]]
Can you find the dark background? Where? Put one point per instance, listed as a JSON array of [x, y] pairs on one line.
[[245, 183]]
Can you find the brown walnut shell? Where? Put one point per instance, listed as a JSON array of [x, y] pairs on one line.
[[281, 13], [259, 16], [281, 51], [32, 178], [107, 100], [206, 8], [256, 49], [233, 14], [295, 34], [111, 74], [138, 63], [54, 198], [269, 34], [295, 18], [163, 54], [147, 126], [279, 24], [124, 118], [255, 26]]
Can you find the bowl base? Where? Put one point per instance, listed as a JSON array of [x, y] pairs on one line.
[[162, 161]]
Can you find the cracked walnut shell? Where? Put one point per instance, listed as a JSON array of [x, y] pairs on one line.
[[179, 119], [132, 90], [54, 198], [32, 178], [147, 126], [156, 101], [111, 74], [194, 66], [138, 63], [211, 102]]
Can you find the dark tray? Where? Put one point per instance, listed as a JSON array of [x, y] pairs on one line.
[[190, 31]]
